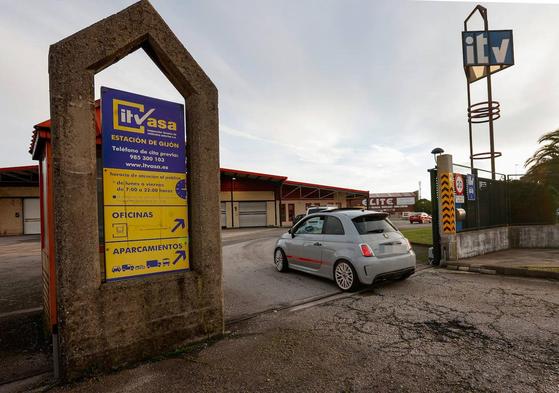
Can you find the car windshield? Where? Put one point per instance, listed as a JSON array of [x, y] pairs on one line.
[[373, 224]]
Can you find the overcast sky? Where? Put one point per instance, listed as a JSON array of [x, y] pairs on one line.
[[346, 93]]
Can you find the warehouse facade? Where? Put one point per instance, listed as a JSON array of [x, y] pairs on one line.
[[248, 199], [20, 209], [251, 199]]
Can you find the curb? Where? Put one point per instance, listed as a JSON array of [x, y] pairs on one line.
[[504, 271]]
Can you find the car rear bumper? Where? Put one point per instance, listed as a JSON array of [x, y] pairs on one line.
[[373, 269], [395, 274]]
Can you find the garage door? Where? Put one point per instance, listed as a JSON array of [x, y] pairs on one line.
[[223, 217], [31, 216], [252, 214]]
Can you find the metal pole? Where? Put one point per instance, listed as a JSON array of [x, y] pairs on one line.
[[232, 209], [280, 208], [470, 128], [491, 137], [489, 97], [435, 217]]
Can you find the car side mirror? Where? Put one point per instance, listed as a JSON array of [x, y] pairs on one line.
[[289, 230]]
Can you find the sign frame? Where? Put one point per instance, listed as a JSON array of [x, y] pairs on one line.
[[146, 229], [491, 36]]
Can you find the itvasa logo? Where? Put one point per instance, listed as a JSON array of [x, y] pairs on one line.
[[132, 117]]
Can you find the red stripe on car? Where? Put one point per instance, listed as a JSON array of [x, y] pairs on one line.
[[304, 259]]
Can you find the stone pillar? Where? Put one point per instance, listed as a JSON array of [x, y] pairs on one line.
[[447, 213], [103, 325]]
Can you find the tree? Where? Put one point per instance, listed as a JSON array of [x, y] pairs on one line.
[[423, 205], [543, 166], [543, 169]]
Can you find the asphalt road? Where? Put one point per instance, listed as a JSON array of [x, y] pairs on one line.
[[439, 331], [22, 348], [20, 273], [251, 283]]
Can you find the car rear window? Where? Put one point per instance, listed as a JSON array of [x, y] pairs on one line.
[[373, 224], [333, 226]]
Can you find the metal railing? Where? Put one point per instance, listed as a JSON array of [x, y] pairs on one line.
[[507, 200]]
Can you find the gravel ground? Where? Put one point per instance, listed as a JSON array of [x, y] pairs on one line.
[[439, 331], [23, 350]]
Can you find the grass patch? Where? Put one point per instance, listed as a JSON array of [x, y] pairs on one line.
[[421, 253], [419, 235]]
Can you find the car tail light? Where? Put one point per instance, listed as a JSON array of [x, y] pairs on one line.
[[366, 250]]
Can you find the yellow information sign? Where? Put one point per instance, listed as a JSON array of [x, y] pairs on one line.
[[145, 222], [130, 187], [138, 258]]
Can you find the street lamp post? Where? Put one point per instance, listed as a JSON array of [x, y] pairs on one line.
[[232, 208], [437, 151], [435, 208]]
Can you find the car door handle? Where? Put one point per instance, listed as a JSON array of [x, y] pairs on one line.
[[317, 244]]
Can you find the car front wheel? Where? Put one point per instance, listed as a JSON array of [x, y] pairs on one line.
[[280, 260], [346, 276]]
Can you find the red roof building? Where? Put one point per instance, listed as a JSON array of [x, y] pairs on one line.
[[248, 199]]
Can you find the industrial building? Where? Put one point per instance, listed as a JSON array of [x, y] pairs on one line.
[[248, 199], [256, 199], [20, 209], [397, 204]]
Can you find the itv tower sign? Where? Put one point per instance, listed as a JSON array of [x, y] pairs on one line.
[[487, 48], [484, 53]]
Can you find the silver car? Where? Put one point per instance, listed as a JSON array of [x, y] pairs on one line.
[[349, 246]]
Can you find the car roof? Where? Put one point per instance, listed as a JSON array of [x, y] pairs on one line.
[[352, 213]]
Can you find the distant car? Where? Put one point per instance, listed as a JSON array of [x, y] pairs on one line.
[[298, 218], [318, 209], [351, 247], [422, 218], [311, 210]]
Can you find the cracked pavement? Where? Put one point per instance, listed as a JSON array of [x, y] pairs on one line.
[[439, 331]]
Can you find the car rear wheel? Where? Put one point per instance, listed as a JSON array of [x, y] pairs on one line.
[[280, 260], [346, 276]]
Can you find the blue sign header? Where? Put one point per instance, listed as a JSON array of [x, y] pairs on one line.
[[142, 133], [471, 187], [480, 48]]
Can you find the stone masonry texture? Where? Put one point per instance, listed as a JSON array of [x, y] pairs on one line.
[[106, 325]]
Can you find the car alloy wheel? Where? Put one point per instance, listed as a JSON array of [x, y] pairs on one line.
[[344, 276], [280, 260]]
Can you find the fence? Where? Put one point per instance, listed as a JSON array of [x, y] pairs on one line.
[[508, 200]]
